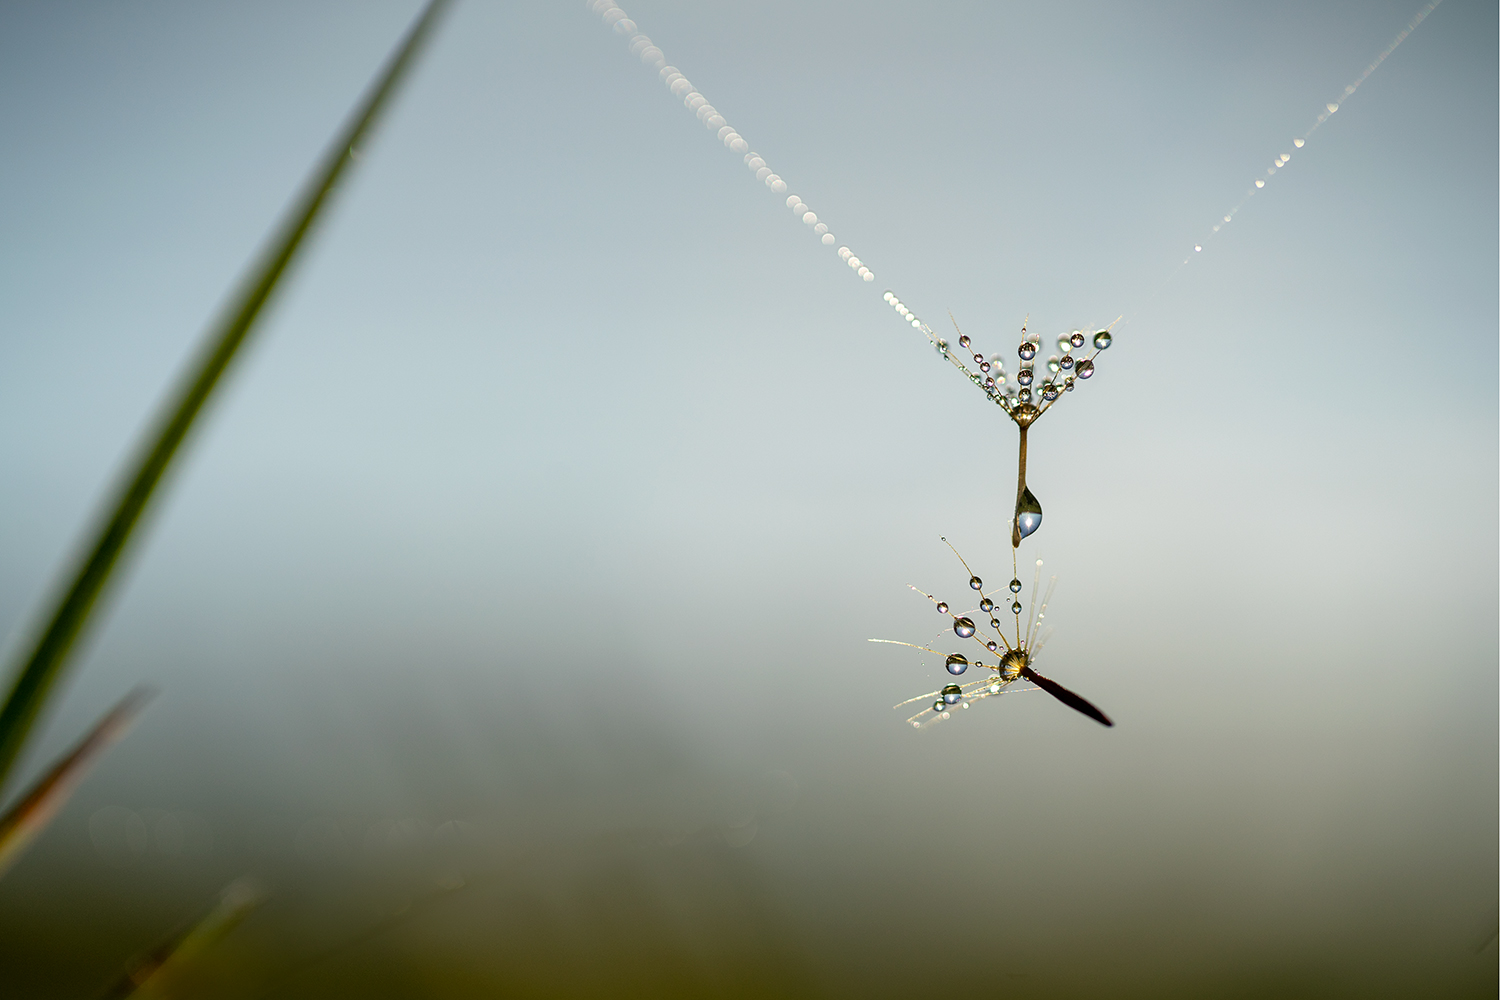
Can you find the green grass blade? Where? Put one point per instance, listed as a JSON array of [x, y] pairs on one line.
[[31, 813], [43, 662], [157, 973]]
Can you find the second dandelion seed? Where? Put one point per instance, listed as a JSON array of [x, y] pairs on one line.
[[1023, 404]]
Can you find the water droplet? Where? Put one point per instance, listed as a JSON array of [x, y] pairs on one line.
[[938, 706], [963, 340], [1068, 384], [1260, 183], [915, 724], [986, 605], [1085, 368], [994, 623], [1015, 586], [1024, 395], [975, 583], [1049, 391], [952, 694], [963, 627], [1065, 362], [984, 366], [942, 607], [994, 689], [1027, 351], [1299, 143], [1077, 339], [992, 645], [978, 358], [1102, 340], [1015, 607], [1064, 344], [1028, 513], [1024, 376], [957, 664]]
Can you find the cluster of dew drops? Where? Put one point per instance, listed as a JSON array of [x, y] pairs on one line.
[[1065, 368], [957, 663]]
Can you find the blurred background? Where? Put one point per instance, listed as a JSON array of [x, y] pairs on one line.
[[509, 607]]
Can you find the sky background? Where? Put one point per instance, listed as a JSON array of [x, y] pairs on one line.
[[509, 606]]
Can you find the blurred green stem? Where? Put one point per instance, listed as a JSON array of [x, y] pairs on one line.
[[41, 663]]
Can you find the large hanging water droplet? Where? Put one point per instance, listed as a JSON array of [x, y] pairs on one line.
[[986, 605], [1028, 513], [1015, 608], [963, 627], [1077, 339], [952, 694], [942, 607], [1015, 586], [975, 583], [1085, 368], [1102, 339], [956, 664], [1027, 351]]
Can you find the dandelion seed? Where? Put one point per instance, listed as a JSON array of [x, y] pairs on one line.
[[1015, 663]]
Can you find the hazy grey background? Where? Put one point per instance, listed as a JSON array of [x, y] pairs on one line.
[[569, 476]]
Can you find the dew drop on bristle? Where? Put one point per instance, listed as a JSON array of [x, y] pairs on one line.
[[1024, 376], [956, 664], [1027, 351], [952, 694], [986, 605], [1065, 362], [942, 607], [1015, 608], [939, 705], [1015, 586], [992, 646], [963, 627], [1077, 339], [1049, 392], [1054, 363], [1028, 513], [1085, 368], [994, 623], [963, 340], [1102, 340], [975, 583]]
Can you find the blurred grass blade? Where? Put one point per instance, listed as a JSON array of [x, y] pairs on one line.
[[42, 662], [154, 974], [31, 814]]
